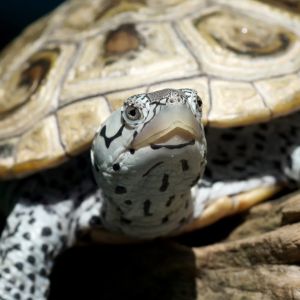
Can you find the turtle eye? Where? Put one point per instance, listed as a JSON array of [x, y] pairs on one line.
[[199, 102], [133, 113]]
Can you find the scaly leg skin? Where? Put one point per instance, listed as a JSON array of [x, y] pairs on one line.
[[38, 230], [52, 207], [33, 237]]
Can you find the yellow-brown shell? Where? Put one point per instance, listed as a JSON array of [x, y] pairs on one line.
[[66, 73]]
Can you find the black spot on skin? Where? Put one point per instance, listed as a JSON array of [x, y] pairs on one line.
[[116, 167], [59, 226], [277, 165], [31, 221], [165, 183], [7, 288], [171, 147], [14, 231], [20, 214], [293, 131], [241, 147], [152, 168], [43, 272], [228, 137], [46, 231], [15, 247], [199, 101], [195, 180], [44, 248], [26, 236], [259, 136], [263, 126], [119, 210], [165, 219], [90, 207], [285, 137], [22, 287], [147, 205], [128, 202], [95, 221], [31, 259], [283, 150], [17, 296], [109, 140], [103, 214], [125, 221], [259, 147], [120, 190], [6, 270], [31, 276], [19, 266], [223, 153], [29, 298], [169, 202], [132, 151], [32, 290]]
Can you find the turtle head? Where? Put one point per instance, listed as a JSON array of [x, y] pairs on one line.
[[146, 157]]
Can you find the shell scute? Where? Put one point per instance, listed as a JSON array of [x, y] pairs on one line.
[[78, 63]]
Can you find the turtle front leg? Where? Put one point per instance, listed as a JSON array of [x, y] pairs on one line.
[[34, 235]]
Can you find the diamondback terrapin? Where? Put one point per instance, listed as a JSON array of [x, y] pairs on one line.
[[64, 76]]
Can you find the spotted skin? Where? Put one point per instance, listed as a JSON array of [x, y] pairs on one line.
[[60, 207], [158, 160], [47, 219]]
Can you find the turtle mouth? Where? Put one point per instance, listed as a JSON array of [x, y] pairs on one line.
[[173, 125]]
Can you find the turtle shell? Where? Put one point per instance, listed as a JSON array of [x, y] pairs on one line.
[[66, 73]]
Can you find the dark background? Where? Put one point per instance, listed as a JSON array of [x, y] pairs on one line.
[[15, 15]]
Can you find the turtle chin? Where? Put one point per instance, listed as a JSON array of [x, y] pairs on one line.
[[152, 196], [147, 190]]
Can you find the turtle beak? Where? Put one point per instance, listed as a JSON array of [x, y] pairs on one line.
[[174, 124]]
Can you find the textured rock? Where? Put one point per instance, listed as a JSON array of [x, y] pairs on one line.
[[257, 256]]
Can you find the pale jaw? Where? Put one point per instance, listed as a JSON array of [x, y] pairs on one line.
[[175, 124], [147, 170]]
